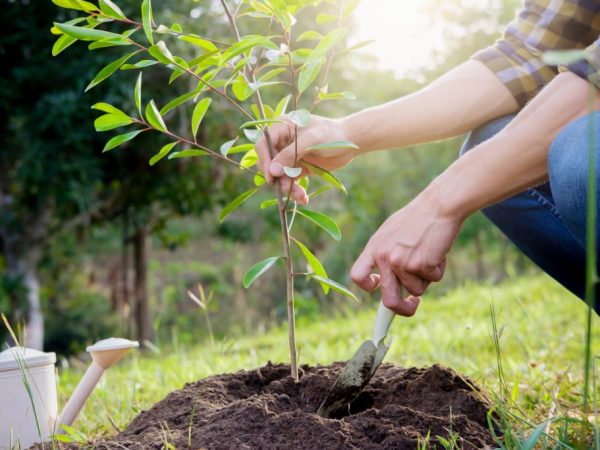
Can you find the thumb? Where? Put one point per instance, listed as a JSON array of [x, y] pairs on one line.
[[290, 156]]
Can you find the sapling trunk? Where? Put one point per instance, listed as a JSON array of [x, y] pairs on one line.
[[282, 207]]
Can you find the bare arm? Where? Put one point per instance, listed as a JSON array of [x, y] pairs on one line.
[[410, 248], [461, 100], [516, 158], [464, 98]]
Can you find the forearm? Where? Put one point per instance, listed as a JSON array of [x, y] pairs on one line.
[[516, 158], [461, 100]]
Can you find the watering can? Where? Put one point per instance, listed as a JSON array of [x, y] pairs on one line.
[[28, 398]]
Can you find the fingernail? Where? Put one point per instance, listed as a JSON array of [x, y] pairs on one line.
[[276, 169]]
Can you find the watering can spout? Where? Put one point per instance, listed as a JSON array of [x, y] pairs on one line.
[[104, 354]]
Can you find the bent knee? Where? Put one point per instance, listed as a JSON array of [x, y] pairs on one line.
[[484, 132], [568, 157]]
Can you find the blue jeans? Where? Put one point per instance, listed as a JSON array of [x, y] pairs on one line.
[[548, 222]]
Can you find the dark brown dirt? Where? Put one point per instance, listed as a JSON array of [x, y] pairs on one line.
[[265, 409]]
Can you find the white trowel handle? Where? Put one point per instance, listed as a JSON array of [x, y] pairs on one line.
[[382, 323]]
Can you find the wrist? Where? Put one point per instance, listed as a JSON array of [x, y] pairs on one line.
[[445, 200], [353, 130]]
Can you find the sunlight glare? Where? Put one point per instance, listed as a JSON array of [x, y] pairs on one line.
[[402, 30]]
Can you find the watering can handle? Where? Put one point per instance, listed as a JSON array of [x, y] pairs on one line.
[[383, 320]]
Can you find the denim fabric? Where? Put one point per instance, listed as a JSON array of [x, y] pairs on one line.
[[548, 222]]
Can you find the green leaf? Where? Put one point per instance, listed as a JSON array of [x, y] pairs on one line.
[[79, 5], [178, 101], [272, 74], [226, 147], [137, 93], [281, 107], [147, 20], [258, 269], [191, 153], [108, 70], [111, 121], [139, 65], [109, 109], [319, 191], [563, 57], [105, 43], [161, 53], [326, 18], [200, 42], [75, 21], [308, 74], [241, 89], [327, 176], [323, 221], [245, 43], [314, 262], [240, 148], [199, 113], [62, 43], [118, 140], [252, 135], [337, 96], [310, 36], [359, 45], [335, 286], [111, 10], [327, 43], [349, 8], [249, 159], [86, 34], [300, 117], [154, 118], [334, 145], [268, 203], [162, 152], [236, 203], [258, 123], [533, 440]]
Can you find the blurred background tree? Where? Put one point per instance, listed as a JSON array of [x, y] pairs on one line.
[[99, 244]]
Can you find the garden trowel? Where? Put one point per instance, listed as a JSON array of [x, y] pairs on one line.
[[359, 370]]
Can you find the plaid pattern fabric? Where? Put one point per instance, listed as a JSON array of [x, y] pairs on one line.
[[544, 25]]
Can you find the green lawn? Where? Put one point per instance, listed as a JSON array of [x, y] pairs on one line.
[[542, 344]]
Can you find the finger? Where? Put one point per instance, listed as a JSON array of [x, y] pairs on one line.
[[278, 134], [289, 156], [362, 272], [286, 185], [299, 194], [392, 294], [413, 283]]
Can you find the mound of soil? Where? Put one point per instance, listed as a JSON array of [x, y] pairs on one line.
[[265, 409]]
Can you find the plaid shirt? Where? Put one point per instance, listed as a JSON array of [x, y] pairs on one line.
[[543, 25]]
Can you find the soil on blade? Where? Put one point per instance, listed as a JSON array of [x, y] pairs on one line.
[[265, 409]]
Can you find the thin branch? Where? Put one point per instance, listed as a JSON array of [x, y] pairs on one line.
[[213, 153]]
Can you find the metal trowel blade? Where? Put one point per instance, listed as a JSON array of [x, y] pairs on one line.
[[352, 380]]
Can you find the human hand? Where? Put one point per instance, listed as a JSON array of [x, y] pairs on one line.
[[409, 250], [292, 154]]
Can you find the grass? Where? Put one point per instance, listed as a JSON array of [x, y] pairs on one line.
[[540, 333]]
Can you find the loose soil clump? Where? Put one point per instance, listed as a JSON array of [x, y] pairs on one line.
[[265, 409]]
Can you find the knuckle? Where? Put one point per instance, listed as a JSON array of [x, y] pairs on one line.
[[381, 255], [389, 303]]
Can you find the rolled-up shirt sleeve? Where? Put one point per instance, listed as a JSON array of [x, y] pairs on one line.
[[540, 26], [518, 67], [589, 68]]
